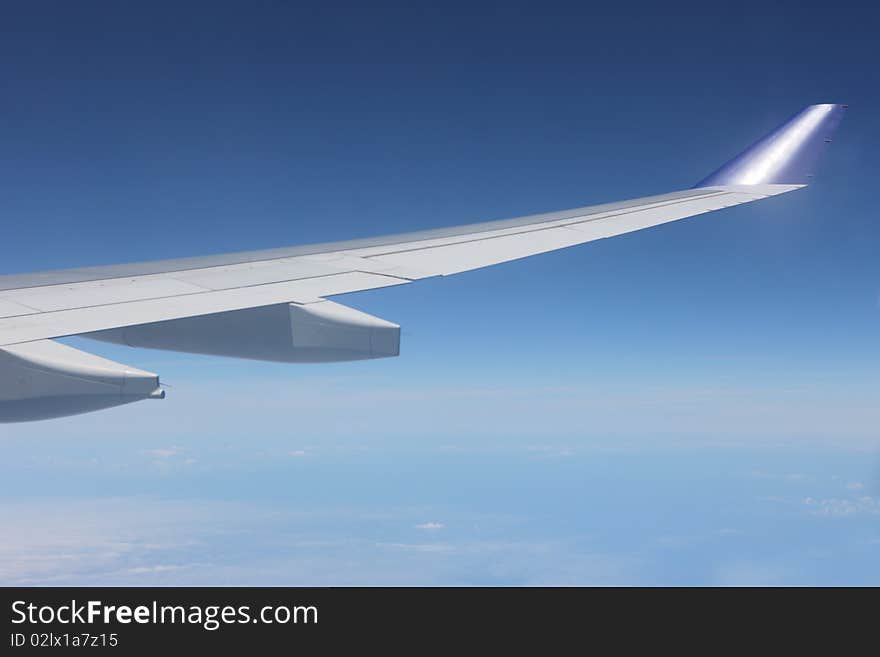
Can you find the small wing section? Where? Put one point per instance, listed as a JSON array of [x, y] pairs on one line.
[[318, 332], [45, 379]]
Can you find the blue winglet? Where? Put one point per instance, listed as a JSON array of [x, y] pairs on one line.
[[788, 155]]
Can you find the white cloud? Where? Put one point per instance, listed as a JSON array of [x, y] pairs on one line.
[[207, 401], [141, 541], [147, 570], [865, 505], [164, 452], [430, 526], [418, 547], [103, 540], [745, 573], [790, 477]]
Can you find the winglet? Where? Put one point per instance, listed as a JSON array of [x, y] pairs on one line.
[[788, 155]]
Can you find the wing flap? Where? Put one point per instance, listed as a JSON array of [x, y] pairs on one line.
[[464, 256], [79, 295], [258, 273], [464, 253], [74, 321]]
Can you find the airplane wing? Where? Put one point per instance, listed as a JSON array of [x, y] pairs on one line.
[[273, 304]]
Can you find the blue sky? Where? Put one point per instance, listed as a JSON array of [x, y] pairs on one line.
[[692, 404]]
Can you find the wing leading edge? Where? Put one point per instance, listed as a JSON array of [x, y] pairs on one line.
[[212, 304]]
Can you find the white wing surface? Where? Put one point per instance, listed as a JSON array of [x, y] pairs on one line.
[[83, 301]]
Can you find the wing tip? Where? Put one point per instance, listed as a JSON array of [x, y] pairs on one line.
[[787, 155]]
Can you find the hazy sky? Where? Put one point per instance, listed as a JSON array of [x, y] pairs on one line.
[[692, 404]]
